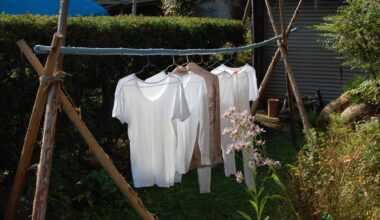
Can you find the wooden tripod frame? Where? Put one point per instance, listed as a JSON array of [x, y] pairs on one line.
[[49, 91], [283, 51]]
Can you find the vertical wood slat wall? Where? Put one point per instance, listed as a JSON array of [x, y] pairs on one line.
[[314, 66]]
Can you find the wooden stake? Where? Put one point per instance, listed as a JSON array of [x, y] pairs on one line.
[[31, 134], [289, 89], [104, 159], [288, 67], [46, 155], [124, 187], [62, 29], [273, 62]]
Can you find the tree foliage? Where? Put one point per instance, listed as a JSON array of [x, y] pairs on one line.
[[354, 33]]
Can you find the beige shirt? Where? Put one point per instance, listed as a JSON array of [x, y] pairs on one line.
[[212, 89]]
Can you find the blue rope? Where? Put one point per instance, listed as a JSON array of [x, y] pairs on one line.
[[42, 49]]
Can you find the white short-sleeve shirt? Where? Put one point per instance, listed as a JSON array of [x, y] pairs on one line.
[[150, 110], [196, 96]]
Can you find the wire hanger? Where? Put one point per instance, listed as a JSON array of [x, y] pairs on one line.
[[148, 64], [229, 61], [182, 69], [174, 64], [211, 64]]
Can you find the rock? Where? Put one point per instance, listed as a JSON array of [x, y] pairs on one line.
[[358, 112], [335, 106]]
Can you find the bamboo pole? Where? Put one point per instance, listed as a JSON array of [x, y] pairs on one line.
[[31, 134], [103, 158], [288, 67], [273, 62]]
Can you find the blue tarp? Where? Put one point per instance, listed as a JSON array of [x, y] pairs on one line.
[[50, 7]]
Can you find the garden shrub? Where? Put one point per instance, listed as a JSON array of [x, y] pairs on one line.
[[91, 84], [367, 91], [338, 171], [354, 34]]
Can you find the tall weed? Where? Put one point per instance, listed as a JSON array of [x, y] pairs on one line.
[[338, 171]]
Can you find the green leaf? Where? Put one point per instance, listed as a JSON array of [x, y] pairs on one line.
[[263, 203], [274, 197], [260, 191], [244, 215], [278, 182], [254, 204]]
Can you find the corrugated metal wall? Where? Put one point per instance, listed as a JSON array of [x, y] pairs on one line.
[[313, 65]]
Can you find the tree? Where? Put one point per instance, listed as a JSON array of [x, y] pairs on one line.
[[354, 34]]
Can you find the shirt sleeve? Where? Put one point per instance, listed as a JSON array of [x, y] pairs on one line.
[[181, 108], [204, 126], [119, 110], [252, 85]]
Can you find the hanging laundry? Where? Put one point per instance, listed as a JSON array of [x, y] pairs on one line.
[[237, 87], [212, 88], [151, 111], [195, 93], [194, 132]]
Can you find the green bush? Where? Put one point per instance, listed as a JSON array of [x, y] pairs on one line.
[[354, 33], [338, 171], [367, 91], [91, 83]]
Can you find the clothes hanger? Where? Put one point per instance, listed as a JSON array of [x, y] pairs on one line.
[[149, 64], [229, 62], [174, 64], [183, 68], [214, 64]]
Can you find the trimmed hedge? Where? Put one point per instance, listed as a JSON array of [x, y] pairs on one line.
[[91, 83]]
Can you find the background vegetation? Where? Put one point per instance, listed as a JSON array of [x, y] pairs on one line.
[[354, 34]]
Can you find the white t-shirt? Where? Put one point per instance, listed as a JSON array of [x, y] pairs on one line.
[[237, 86], [151, 111], [195, 92]]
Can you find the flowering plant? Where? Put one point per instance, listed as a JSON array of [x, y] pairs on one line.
[[246, 137]]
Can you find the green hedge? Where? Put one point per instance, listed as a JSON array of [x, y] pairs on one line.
[[92, 82]]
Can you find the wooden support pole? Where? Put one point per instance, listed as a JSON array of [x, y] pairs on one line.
[[104, 159], [288, 87], [245, 15], [95, 148], [252, 25], [46, 155], [288, 67], [31, 134], [134, 7], [62, 28], [273, 62]]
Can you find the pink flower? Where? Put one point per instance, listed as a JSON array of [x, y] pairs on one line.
[[239, 177], [273, 163], [251, 164], [230, 148]]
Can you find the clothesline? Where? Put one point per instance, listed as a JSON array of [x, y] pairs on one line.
[[43, 49]]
